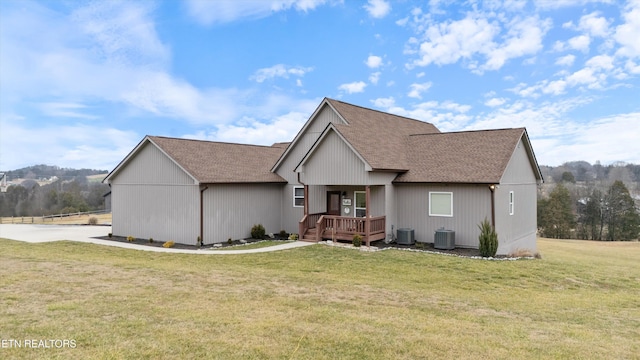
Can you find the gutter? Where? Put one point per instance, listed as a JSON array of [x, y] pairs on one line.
[[202, 190]]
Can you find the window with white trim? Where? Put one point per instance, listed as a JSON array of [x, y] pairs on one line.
[[441, 204], [298, 196], [511, 207], [360, 203]]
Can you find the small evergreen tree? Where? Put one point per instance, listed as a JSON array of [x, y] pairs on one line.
[[488, 239]]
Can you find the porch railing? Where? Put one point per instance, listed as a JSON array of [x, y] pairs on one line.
[[344, 228], [309, 221]]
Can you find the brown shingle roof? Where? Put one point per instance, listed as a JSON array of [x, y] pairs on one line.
[[216, 162], [379, 137], [460, 157]]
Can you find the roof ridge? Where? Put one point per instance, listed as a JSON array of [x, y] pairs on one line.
[[210, 141], [380, 111], [468, 131]]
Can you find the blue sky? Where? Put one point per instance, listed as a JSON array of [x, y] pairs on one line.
[[81, 83]]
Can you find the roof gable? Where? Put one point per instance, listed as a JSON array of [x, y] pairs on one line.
[[215, 162], [464, 157], [376, 136], [330, 129]]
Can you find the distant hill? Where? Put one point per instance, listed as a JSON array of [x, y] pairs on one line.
[[39, 172]]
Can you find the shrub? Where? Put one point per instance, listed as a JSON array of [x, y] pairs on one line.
[[110, 235], [199, 241], [488, 239], [93, 220], [130, 238], [293, 237], [168, 244], [419, 245], [357, 240], [229, 241], [257, 231], [150, 240], [283, 234]]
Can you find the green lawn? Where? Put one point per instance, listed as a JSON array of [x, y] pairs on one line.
[[581, 301]]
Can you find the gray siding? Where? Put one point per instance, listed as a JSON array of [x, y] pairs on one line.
[[152, 166], [517, 231], [163, 212], [230, 210], [153, 197], [333, 162], [471, 205], [305, 142]]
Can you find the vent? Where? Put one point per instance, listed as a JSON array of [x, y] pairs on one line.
[[406, 237], [445, 239]]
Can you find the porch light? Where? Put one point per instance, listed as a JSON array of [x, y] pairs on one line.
[[492, 187]]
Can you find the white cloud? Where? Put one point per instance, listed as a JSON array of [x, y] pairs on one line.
[[279, 70], [448, 42], [378, 8], [594, 24], [282, 129], [354, 87], [494, 102], [447, 115], [384, 103], [580, 43], [373, 61], [566, 60], [524, 37], [75, 146], [65, 110], [476, 36], [374, 77], [207, 12], [627, 34], [417, 90]]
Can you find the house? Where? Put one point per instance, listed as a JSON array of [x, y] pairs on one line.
[[349, 170]]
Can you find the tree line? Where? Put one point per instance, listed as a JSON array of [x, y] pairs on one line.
[[589, 213], [70, 192]]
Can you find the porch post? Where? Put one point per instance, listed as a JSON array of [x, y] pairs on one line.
[[306, 200], [367, 220]]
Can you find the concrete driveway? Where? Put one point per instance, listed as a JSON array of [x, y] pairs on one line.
[[88, 234]]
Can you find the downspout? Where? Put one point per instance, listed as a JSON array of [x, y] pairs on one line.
[[202, 190], [306, 196], [492, 188]]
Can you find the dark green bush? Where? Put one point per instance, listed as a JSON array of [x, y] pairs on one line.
[[488, 239], [283, 234], [357, 240], [257, 231]]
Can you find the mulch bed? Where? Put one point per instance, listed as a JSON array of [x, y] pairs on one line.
[[155, 243], [376, 244]]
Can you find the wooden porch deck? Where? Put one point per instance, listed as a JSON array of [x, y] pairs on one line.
[[315, 227]]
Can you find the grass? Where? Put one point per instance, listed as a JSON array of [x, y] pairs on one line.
[[582, 300], [256, 245], [67, 220]]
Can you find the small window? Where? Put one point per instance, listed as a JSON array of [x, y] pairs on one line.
[[440, 204], [361, 204], [511, 203], [298, 196]]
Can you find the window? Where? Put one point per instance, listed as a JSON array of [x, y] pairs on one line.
[[511, 203], [298, 196], [360, 204], [440, 204]]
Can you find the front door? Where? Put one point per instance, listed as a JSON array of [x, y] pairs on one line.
[[333, 203]]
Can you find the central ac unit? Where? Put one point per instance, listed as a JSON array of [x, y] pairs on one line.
[[444, 239]]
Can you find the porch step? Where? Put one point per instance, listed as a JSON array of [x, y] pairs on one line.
[[309, 236]]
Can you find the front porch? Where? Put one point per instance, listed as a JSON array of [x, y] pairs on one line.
[[319, 226]]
